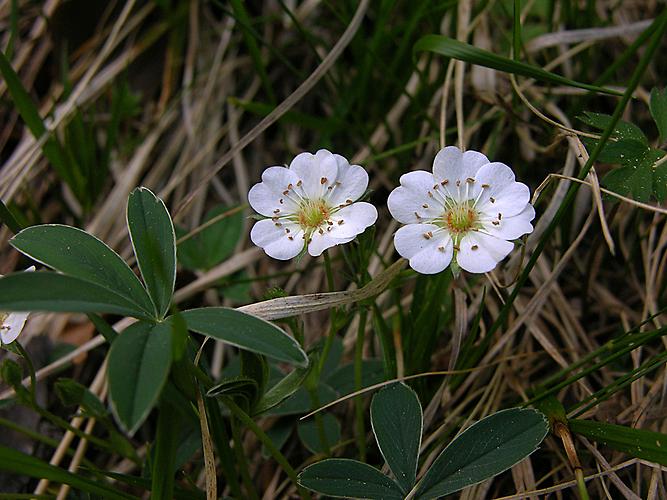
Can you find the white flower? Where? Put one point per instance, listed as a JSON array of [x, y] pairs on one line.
[[468, 209], [311, 202], [11, 323]]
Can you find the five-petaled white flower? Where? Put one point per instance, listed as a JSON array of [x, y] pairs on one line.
[[11, 323], [467, 209], [312, 202]]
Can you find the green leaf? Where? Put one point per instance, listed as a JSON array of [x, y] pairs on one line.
[[255, 367], [47, 291], [627, 152], [72, 393], [24, 465], [341, 477], [242, 388], [278, 433], [648, 445], [640, 179], [309, 433], [342, 379], [396, 417], [624, 130], [658, 108], [300, 402], [154, 243], [214, 243], [283, 389], [489, 447], [139, 363], [455, 49], [247, 332], [76, 253]]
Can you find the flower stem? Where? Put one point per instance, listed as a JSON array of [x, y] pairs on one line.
[[238, 450], [334, 313], [31, 370], [319, 420], [359, 401], [266, 441]]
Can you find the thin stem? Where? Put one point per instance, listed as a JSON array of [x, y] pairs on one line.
[[319, 420], [240, 455], [328, 270], [266, 441], [31, 370], [334, 313], [359, 401]]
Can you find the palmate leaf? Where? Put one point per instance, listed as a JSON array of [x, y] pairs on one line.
[[637, 175], [639, 178], [340, 477], [49, 291], [489, 447], [624, 130], [139, 364], [74, 252], [154, 243], [396, 416], [247, 332]]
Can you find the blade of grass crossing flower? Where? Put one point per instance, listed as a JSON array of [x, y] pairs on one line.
[[462, 51]]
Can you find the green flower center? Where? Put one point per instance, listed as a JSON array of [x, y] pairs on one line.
[[3, 317], [460, 218], [313, 213]]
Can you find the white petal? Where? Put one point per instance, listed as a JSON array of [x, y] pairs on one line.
[[480, 253], [474, 160], [427, 256], [509, 197], [350, 184], [265, 197], [322, 241], [411, 196], [355, 219], [316, 172], [12, 326], [511, 228], [511, 201], [276, 241], [455, 168]]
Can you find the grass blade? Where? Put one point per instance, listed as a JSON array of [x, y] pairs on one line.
[[462, 51]]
